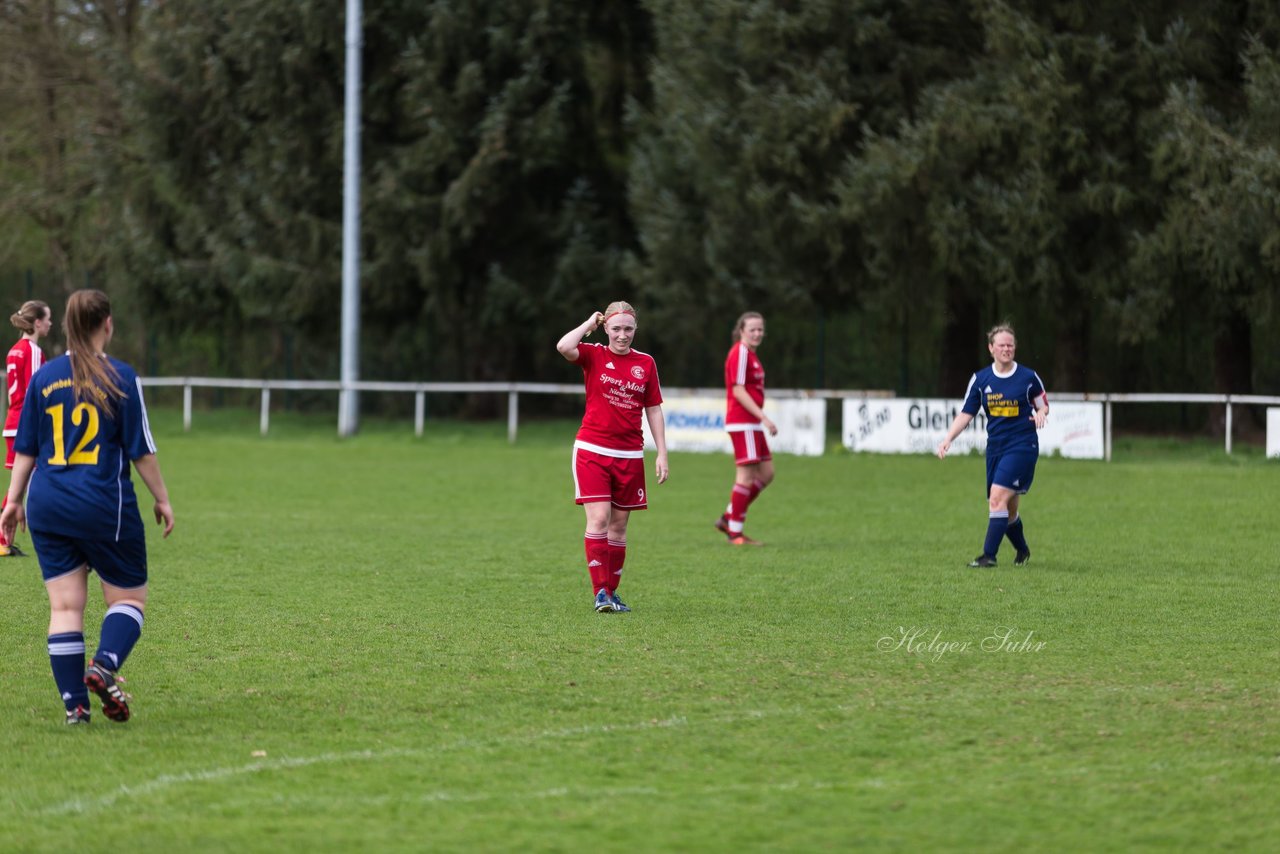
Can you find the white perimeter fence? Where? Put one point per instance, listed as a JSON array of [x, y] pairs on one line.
[[514, 390]]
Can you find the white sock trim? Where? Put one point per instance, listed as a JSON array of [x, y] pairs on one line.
[[128, 611]]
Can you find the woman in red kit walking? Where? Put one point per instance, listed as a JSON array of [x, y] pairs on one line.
[[746, 422], [608, 453]]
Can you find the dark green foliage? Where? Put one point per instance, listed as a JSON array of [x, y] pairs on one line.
[[1218, 230], [232, 230], [1017, 189], [488, 202], [62, 129], [756, 107]]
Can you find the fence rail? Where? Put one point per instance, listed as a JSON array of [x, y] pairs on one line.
[[1227, 400], [514, 390]]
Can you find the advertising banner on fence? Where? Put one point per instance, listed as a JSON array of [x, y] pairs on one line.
[[697, 424], [1273, 432], [916, 426]]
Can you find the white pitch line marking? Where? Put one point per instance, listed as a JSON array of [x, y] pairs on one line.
[[444, 796], [214, 775]]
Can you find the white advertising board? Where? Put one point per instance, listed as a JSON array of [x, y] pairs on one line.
[[697, 424], [917, 425], [1273, 432]]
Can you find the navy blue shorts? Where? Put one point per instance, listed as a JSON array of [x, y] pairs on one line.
[[120, 564], [1012, 469]]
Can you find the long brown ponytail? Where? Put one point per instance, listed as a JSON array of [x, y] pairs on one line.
[[87, 311]]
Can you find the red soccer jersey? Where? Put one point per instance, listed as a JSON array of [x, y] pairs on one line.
[[743, 368], [619, 389], [25, 358]]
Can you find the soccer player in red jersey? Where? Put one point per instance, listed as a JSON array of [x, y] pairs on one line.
[[746, 422], [34, 319], [608, 453]]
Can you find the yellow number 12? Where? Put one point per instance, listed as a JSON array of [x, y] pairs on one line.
[[79, 456]]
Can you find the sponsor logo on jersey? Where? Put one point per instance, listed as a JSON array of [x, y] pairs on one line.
[[609, 365], [999, 406]]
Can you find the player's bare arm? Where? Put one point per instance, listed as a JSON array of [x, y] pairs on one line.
[[1041, 415], [14, 515], [568, 345], [148, 469], [961, 421], [743, 397], [658, 427]]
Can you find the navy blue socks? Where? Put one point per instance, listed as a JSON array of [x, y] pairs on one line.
[[121, 628], [66, 657], [1014, 533], [997, 524]]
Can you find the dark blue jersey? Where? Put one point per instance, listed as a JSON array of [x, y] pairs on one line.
[[1009, 402], [80, 486]]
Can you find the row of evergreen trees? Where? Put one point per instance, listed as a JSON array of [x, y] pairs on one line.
[[884, 179]]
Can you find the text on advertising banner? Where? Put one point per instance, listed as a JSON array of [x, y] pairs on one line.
[[917, 425], [697, 424]]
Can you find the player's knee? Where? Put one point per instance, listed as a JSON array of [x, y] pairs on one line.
[[65, 617], [135, 601], [63, 609]]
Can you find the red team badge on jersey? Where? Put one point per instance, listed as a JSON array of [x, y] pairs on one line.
[[637, 372]]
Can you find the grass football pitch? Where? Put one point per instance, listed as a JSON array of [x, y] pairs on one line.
[[387, 643]]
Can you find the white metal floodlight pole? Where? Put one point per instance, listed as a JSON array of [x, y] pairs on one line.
[[348, 398]]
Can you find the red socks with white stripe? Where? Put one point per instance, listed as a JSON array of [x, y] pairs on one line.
[[739, 501], [617, 556], [597, 549]]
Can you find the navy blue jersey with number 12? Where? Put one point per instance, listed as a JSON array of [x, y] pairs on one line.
[[83, 449]]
